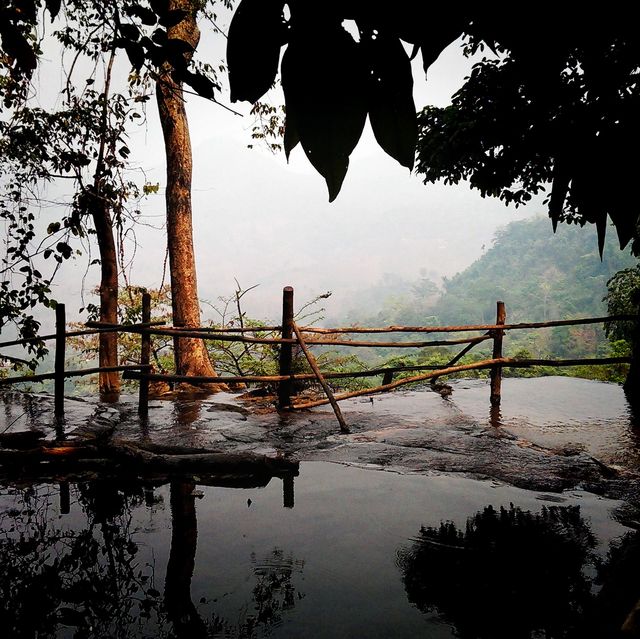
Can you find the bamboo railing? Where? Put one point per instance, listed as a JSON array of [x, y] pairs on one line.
[[293, 335]]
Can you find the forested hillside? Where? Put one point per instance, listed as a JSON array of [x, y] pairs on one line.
[[539, 275]]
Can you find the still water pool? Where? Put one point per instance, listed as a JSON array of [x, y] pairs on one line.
[[337, 551]]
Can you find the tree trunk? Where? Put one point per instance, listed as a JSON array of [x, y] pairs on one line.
[[109, 383], [181, 610], [191, 355], [632, 383], [108, 353]]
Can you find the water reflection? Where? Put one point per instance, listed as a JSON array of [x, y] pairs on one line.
[[91, 574], [516, 574], [185, 557]]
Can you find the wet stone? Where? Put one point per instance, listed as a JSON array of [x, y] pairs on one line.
[[551, 434]]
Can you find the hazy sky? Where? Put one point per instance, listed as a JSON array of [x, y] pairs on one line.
[[266, 222]]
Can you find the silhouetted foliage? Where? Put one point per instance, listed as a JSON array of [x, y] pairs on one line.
[[509, 573], [563, 113]]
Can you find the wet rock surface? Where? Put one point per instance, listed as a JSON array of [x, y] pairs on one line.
[[576, 433]]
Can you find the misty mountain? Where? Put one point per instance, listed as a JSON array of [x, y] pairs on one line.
[[538, 274]]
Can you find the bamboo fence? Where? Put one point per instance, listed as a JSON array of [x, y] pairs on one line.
[[293, 335]]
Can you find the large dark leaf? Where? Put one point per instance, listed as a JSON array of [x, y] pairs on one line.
[[144, 14], [324, 80], [291, 136], [17, 47], [559, 190], [53, 6], [392, 112], [253, 48], [202, 85]]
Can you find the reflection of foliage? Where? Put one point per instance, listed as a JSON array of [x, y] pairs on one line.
[[89, 579], [618, 601], [93, 577], [510, 573], [273, 595]]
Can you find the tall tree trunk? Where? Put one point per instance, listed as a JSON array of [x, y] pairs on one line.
[[187, 623], [109, 383], [191, 355]]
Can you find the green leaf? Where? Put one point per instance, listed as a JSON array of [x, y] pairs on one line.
[[324, 80], [392, 112], [253, 48]]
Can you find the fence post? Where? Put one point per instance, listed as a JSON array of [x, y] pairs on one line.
[[286, 350], [58, 384], [496, 372], [288, 497], [145, 357]]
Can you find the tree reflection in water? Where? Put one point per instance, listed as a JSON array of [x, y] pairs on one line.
[[94, 581], [509, 573], [90, 579], [516, 574]]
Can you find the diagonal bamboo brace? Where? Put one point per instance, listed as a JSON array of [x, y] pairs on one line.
[[325, 387]]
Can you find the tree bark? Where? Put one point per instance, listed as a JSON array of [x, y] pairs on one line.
[[191, 356], [109, 383]]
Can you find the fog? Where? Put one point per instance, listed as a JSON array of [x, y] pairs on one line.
[[264, 222]]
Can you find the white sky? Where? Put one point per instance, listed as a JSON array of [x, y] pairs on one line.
[[265, 222]]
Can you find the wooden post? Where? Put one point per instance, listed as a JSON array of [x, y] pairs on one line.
[[145, 357], [496, 371], [325, 387], [288, 491], [286, 350], [58, 409], [65, 498]]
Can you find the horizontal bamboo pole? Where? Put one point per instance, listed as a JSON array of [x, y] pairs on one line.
[[250, 329], [95, 329], [125, 328], [509, 362], [198, 334], [442, 342], [75, 373], [374, 372], [472, 327], [135, 328], [315, 342], [159, 377]]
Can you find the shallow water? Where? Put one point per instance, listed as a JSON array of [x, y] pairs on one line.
[[345, 558], [340, 550]]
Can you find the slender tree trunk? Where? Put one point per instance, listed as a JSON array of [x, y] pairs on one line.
[[632, 383], [109, 383], [108, 353], [181, 610], [191, 355]]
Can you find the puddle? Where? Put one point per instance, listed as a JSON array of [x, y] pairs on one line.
[[340, 552]]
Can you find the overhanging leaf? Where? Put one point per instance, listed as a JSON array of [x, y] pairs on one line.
[[253, 48], [53, 6], [324, 80], [16, 45], [392, 112], [561, 179], [291, 136], [202, 85]]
